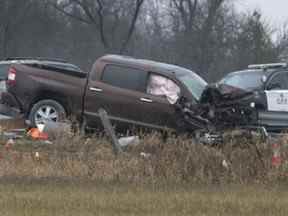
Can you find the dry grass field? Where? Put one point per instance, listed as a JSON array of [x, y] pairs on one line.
[[80, 176], [47, 197]]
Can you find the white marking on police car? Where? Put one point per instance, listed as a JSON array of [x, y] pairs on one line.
[[277, 100]]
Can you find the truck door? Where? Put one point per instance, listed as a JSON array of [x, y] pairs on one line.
[[164, 93], [122, 93], [277, 101]]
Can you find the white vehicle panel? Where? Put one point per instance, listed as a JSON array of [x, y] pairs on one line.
[[277, 100]]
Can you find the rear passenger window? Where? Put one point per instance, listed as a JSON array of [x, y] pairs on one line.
[[125, 77]]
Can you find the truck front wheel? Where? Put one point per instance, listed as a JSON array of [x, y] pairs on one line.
[[46, 110]]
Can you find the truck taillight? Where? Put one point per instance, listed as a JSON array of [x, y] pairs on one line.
[[11, 76]]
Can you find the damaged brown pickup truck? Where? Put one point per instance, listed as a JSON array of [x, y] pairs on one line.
[[134, 92]]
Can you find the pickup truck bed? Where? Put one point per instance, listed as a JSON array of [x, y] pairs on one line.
[[36, 81]]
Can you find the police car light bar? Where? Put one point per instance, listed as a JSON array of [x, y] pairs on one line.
[[268, 66]]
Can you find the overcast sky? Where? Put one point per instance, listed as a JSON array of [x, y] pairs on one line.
[[275, 11]]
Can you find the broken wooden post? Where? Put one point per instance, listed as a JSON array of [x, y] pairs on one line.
[[110, 131]]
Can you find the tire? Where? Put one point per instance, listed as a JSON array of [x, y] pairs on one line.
[[46, 110]]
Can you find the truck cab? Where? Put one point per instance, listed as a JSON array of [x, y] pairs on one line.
[[138, 92]]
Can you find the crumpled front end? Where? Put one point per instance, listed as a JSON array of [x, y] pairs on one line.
[[220, 108]]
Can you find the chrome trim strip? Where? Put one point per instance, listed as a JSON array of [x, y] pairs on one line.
[[95, 89]]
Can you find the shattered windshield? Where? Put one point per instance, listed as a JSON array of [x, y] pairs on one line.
[[248, 80], [194, 83]]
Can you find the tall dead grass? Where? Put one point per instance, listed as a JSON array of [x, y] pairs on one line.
[[175, 160]]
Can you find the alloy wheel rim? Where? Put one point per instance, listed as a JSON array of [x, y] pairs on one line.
[[45, 114]]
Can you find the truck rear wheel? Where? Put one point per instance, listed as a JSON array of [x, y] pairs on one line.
[[46, 110]]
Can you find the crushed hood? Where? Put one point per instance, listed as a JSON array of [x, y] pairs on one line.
[[217, 93]]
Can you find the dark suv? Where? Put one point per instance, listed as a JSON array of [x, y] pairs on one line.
[[269, 84]]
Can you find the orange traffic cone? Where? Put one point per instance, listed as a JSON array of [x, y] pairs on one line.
[[35, 133], [276, 158]]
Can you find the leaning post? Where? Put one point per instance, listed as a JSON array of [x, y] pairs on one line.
[[110, 131]]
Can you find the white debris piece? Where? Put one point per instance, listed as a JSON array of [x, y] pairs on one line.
[[132, 140], [145, 155], [41, 127], [225, 164]]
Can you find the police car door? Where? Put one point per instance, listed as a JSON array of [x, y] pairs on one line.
[[277, 101]]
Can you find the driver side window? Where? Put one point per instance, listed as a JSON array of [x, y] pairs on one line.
[[162, 86], [279, 82]]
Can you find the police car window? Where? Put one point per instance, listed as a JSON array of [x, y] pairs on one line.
[[248, 80], [279, 81]]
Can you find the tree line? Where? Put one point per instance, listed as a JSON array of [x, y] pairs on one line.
[[207, 36]]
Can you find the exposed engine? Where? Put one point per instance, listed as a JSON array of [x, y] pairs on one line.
[[218, 110]]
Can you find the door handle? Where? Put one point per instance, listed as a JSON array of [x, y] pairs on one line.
[[146, 100], [95, 89]]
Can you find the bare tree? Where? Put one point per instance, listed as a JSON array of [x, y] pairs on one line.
[[206, 30], [105, 16], [253, 43], [187, 10], [282, 42], [208, 36], [12, 13], [197, 19]]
